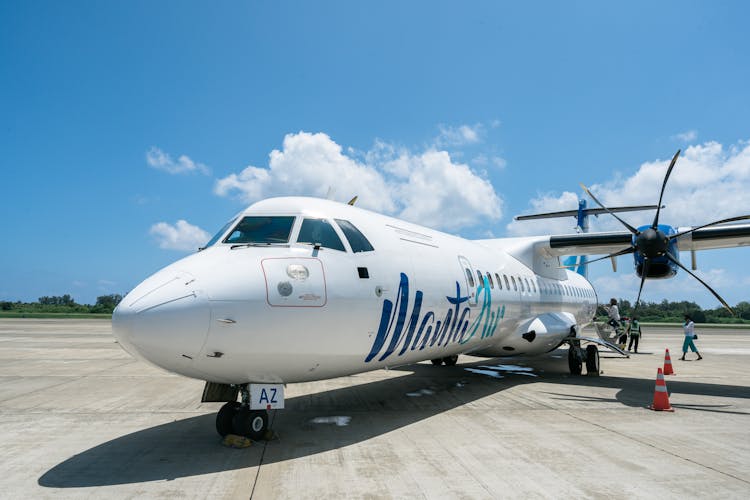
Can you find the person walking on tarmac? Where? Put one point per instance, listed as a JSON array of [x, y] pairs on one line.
[[690, 335], [634, 329]]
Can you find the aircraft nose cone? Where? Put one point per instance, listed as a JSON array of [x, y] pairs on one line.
[[164, 320]]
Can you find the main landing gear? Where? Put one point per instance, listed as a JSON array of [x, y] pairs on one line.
[[577, 356], [237, 418], [447, 361]]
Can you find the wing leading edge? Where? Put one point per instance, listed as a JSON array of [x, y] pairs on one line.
[[724, 236]]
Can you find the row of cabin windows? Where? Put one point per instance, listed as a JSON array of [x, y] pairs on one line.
[[274, 230], [527, 285]]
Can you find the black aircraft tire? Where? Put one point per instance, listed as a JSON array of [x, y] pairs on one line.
[[225, 416], [592, 360], [574, 362], [252, 424], [450, 360], [437, 362]]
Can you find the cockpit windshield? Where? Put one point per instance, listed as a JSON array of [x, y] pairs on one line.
[[261, 230], [219, 234]]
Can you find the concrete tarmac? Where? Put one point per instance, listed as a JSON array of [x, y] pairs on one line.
[[79, 418]]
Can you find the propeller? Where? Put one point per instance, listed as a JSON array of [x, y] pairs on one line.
[[652, 242]]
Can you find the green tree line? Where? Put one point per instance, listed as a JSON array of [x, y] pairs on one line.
[[664, 311], [64, 304], [674, 312]]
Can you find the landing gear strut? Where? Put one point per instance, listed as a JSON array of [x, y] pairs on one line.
[[237, 418], [577, 356]]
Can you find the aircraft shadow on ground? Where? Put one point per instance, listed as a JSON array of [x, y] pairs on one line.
[[190, 447]]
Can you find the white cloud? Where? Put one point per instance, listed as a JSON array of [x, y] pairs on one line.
[[428, 188], [708, 183], [687, 136], [440, 193], [160, 160], [182, 236], [459, 136], [483, 160]]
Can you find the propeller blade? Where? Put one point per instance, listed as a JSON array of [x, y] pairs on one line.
[[663, 185], [644, 273], [624, 251], [677, 262], [722, 221], [630, 228]]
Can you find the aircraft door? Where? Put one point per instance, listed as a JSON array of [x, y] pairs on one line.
[[470, 279]]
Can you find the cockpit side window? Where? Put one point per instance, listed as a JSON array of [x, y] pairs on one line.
[[262, 230], [220, 233], [320, 231], [357, 240]]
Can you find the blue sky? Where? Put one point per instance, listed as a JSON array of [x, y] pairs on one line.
[[121, 119]]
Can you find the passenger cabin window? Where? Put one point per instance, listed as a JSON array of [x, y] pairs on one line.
[[489, 278], [261, 230], [480, 280], [515, 287], [499, 283], [507, 283], [357, 240], [469, 277], [320, 232]]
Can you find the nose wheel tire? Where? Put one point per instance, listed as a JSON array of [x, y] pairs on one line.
[[225, 416], [252, 424]]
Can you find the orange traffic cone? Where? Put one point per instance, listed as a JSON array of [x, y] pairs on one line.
[[668, 364], [661, 398]]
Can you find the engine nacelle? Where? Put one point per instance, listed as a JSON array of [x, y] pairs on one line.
[[537, 335], [660, 266]]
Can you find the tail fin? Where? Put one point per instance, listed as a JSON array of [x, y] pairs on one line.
[[578, 264]]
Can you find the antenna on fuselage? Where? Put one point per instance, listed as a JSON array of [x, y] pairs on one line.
[[353, 201]]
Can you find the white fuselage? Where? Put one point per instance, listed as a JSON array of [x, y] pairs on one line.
[[297, 312]]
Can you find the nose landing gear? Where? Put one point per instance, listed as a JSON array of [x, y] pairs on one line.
[[237, 418]]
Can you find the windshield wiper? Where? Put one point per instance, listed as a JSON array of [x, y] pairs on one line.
[[246, 245]]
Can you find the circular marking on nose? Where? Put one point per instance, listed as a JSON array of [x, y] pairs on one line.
[[284, 288]]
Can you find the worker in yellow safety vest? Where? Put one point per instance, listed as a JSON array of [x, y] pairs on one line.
[[634, 330]]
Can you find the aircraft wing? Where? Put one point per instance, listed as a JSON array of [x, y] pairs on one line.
[[720, 236], [589, 243], [724, 236]]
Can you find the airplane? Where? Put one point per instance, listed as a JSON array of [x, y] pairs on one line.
[[296, 289]]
